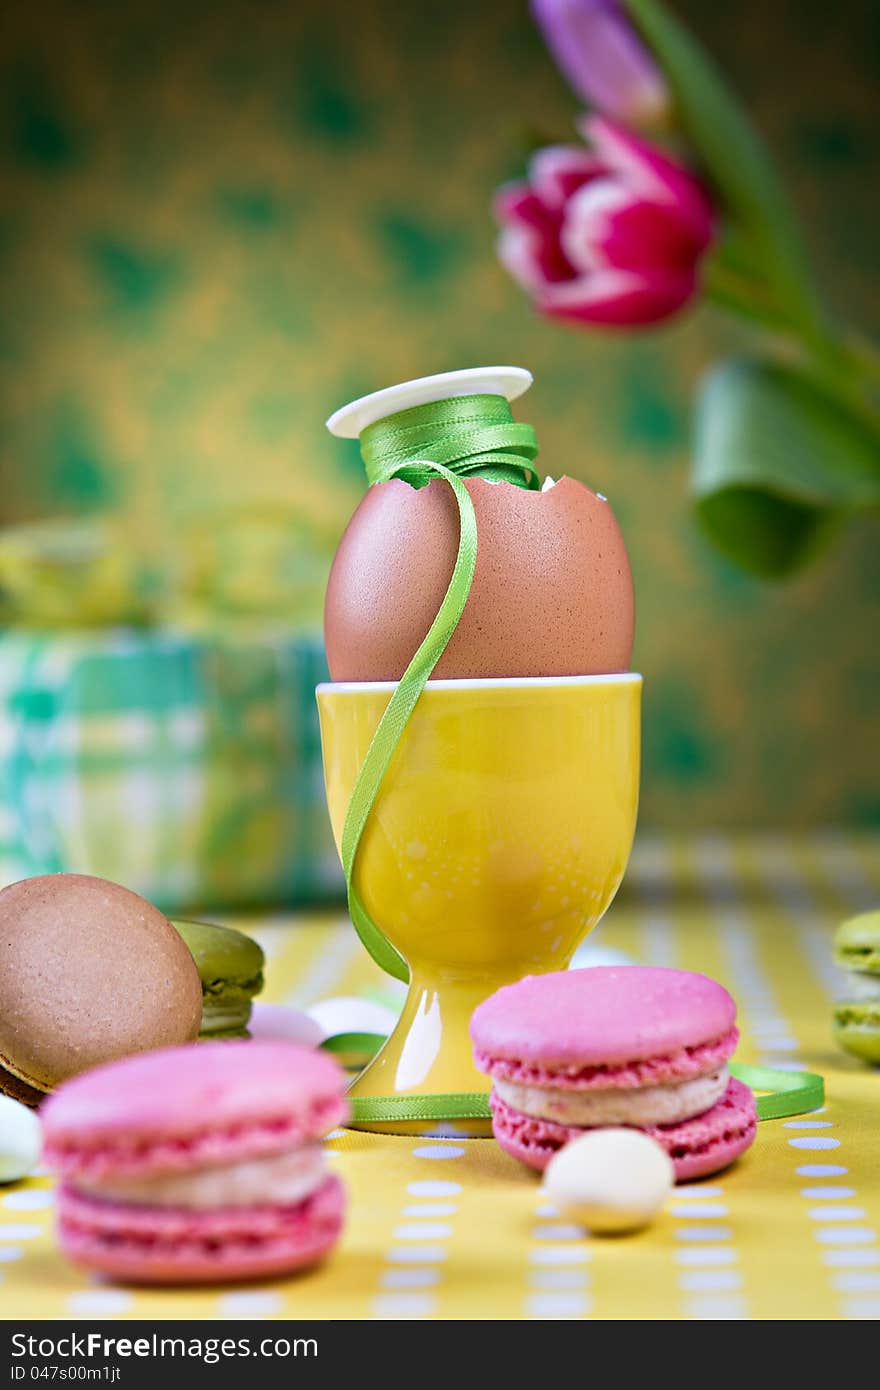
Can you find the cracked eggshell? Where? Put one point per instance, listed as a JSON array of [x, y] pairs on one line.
[[552, 592]]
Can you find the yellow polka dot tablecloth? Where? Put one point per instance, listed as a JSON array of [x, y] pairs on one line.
[[454, 1229]]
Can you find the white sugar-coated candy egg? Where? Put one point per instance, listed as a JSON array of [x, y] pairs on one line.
[[283, 1022], [610, 1179], [348, 1014], [21, 1140]]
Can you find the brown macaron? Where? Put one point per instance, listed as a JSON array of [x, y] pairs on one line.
[[89, 971]]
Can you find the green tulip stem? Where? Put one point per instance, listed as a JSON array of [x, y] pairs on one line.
[[844, 367]]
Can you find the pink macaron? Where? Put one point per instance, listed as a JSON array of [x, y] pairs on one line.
[[635, 1045], [199, 1163]]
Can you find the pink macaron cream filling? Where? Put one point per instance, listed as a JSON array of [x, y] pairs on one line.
[[281, 1179], [650, 1105]]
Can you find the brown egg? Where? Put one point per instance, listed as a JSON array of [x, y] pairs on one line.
[[552, 592], [89, 971]]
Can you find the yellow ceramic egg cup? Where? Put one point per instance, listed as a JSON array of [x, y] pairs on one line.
[[499, 837]]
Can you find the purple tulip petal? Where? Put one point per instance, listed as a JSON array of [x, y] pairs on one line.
[[618, 298], [603, 59]]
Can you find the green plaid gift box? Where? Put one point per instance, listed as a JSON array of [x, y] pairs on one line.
[[186, 767]]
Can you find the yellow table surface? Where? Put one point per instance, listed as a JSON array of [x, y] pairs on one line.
[[446, 1229]]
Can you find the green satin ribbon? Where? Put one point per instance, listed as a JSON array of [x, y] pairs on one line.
[[362, 1045], [786, 1092], [470, 436], [454, 1105]]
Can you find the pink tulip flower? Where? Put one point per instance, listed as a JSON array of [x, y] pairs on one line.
[[611, 233], [605, 62]]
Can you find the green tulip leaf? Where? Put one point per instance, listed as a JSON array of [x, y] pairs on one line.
[[778, 466], [733, 156]]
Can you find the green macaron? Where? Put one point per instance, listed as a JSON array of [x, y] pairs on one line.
[[857, 1017], [230, 967], [857, 943]]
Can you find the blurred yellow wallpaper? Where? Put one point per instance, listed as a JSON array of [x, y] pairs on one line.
[[222, 220]]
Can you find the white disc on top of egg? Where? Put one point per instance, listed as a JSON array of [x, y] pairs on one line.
[[610, 1180]]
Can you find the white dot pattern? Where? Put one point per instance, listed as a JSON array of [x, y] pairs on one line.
[[849, 1259], [835, 1219], [29, 1199], [707, 1255], [557, 1278], [256, 1303], [430, 1209], [103, 1303], [710, 1235], [546, 1209], [422, 1230], [404, 1305], [416, 1254], [862, 1308], [814, 1143], [438, 1151], [716, 1307], [754, 992], [857, 1280], [557, 1286], [842, 1243], [827, 1194], [698, 1211], [560, 1255], [846, 1235], [12, 1230], [409, 1278], [709, 1280], [433, 1189], [561, 1231], [412, 1274], [557, 1305], [709, 1289], [837, 1214]]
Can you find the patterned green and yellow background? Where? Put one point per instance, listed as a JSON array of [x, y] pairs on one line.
[[222, 218]]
